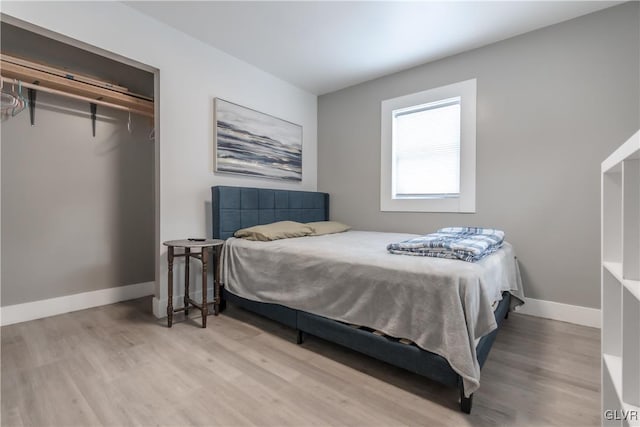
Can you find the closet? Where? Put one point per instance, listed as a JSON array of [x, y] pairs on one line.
[[78, 168]]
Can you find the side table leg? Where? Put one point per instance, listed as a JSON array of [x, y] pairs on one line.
[[205, 307], [170, 286], [187, 259], [216, 281]]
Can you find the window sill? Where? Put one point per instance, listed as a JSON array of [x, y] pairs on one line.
[[451, 205]]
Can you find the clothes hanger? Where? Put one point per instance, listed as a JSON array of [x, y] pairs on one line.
[[21, 100], [11, 102], [129, 125]]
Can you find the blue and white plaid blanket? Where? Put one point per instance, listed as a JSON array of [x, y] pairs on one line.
[[464, 243]]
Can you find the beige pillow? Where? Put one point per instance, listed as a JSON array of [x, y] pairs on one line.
[[274, 231], [327, 227]]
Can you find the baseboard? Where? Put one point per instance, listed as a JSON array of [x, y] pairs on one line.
[[579, 315], [160, 305], [576, 314], [50, 307]]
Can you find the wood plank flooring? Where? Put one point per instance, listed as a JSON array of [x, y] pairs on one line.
[[119, 366]]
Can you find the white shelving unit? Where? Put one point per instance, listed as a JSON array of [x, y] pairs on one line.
[[620, 282]]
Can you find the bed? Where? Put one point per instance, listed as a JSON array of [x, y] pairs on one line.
[[355, 282]]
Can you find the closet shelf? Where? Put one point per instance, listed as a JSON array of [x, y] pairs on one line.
[[78, 97], [61, 82]]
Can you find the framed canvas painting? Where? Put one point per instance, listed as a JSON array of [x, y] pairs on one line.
[[249, 142]]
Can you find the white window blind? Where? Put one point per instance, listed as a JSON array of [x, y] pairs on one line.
[[426, 150]]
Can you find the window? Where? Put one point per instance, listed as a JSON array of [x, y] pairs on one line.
[[428, 150]]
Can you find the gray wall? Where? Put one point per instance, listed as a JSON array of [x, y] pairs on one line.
[[552, 104], [77, 211]]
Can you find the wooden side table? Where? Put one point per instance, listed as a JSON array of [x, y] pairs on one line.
[[203, 256]]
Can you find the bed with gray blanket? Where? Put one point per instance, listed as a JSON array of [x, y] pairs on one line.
[[449, 310]]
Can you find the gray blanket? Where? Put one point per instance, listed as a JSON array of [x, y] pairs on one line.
[[443, 305]]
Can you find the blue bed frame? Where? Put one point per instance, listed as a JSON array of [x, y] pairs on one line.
[[234, 208]]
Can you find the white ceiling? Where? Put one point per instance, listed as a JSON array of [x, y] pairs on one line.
[[325, 46]]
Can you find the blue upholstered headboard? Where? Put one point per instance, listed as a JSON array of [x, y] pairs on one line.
[[234, 208]]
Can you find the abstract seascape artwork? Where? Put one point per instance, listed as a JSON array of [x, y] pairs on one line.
[[249, 142]]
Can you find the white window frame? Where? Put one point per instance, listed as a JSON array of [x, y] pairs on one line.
[[466, 202]]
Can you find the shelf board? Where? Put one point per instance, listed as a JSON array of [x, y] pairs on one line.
[[614, 365], [615, 268], [628, 150], [75, 87], [632, 286]]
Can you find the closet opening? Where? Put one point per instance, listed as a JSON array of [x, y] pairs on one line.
[[79, 190]]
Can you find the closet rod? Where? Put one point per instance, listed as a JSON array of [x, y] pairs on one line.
[[78, 97]]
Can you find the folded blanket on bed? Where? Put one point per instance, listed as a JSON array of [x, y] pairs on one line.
[[464, 243]]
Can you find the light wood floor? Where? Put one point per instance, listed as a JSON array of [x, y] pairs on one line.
[[119, 366]]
